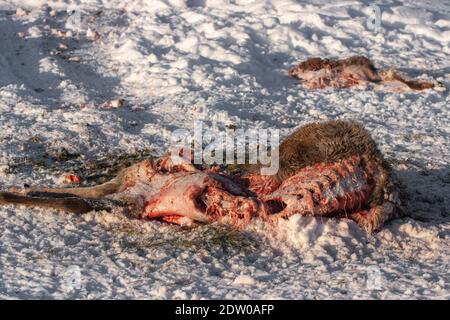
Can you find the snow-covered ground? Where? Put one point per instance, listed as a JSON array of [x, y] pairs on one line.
[[174, 61]]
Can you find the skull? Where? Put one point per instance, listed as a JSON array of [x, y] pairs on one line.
[[201, 197]]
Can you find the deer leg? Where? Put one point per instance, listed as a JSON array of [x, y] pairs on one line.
[[392, 75], [371, 220], [95, 192], [69, 204]]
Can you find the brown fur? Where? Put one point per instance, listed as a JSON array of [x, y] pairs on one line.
[[315, 64], [330, 142]]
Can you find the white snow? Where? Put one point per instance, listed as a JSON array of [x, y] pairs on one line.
[[225, 62]]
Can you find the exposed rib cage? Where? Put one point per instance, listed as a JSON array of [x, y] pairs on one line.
[[325, 189]]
